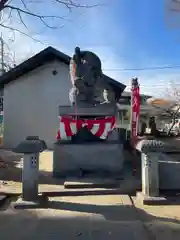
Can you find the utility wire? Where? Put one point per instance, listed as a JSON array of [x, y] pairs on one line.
[[142, 69], [155, 85]]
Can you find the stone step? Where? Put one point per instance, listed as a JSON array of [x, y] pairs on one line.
[[75, 183], [3, 199], [88, 192]]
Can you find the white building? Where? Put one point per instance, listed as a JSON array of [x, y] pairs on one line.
[[32, 93], [124, 106]]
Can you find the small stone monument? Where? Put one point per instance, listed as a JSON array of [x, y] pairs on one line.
[[31, 148]]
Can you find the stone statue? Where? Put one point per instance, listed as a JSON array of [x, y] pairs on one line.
[[85, 71]]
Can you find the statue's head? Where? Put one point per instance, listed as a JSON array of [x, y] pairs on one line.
[[87, 66]]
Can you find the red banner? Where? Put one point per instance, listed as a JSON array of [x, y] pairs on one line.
[[98, 127], [135, 113]]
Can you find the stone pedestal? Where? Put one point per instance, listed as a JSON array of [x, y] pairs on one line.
[[86, 153], [150, 151], [99, 157]]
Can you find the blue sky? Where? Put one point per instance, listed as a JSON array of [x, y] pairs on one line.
[[125, 34]]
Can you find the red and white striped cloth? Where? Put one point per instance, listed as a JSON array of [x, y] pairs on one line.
[[98, 127]]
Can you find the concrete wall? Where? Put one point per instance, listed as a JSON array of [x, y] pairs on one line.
[[31, 103]]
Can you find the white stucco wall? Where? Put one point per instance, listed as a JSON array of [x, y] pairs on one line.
[[31, 104]]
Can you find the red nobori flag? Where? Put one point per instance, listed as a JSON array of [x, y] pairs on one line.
[[135, 113]]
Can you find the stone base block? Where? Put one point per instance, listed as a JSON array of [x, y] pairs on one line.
[[83, 172], [21, 204], [147, 200], [88, 110], [169, 174], [77, 159], [3, 199]]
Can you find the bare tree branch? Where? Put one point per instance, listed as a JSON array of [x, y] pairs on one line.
[[2, 4], [25, 10], [21, 9], [173, 110], [31, 13], [72, 4], [23, 33], [24, 4], [21, 19]]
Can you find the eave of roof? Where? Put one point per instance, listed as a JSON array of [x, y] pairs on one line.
[[47, 55], [128, 94]]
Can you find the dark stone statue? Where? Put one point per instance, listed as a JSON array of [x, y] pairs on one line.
[[85, 69], [87, 96]]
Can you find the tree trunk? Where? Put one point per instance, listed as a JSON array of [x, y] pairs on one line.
[[153, 129], [173, 123], [2, 4]]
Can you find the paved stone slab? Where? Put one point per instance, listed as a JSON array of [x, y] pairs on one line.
[[86, 217], [126, 200], [110, 207], [107, 200], [108, 230], [35, 225], [163, 221]]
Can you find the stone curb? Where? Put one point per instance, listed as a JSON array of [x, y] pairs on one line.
[[153, 201]]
